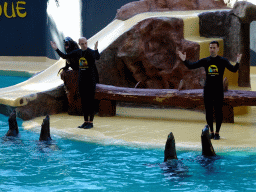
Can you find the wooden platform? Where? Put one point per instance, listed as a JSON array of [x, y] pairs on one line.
[[188, 99]]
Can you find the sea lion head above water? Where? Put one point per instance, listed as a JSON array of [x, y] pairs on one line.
[[170, 149], [45, 130], [13, 125]]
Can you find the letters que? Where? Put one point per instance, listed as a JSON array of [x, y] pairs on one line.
[[12, 10]]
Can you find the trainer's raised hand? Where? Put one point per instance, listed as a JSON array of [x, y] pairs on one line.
[[96, 46], [53, 44], [238, 58], [181, 55]]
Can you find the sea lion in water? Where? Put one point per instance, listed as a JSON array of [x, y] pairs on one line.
[[170, 149], [207, 148], [46, 144], [45, 130], [13, 125], [172, 167]]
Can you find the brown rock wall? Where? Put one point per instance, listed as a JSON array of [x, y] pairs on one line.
[[146, 56], [222, 24], [133, 8]]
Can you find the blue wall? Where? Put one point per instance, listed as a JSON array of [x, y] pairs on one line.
[[98, 14], [30, 35], [23, 36]]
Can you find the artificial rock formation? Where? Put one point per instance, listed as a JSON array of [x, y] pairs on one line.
[[222, 24], [133, 8], [49, 102], [146, 57], [246, 13], [234, 27]]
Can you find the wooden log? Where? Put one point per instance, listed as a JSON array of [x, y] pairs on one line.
[[172, 97], [188, 99], [168, 97]]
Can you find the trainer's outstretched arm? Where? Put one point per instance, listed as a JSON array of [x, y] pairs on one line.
[[96, 46], [53, 44], [181, 55], [238, 58]]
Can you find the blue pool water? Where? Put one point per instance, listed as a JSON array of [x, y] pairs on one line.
[[6, 81], [68, 165]]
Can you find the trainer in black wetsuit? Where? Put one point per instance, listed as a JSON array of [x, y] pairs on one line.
[[88, 77], [213, 90]]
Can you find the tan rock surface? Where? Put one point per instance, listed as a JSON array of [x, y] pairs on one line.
[[136, 7], [146, 56]]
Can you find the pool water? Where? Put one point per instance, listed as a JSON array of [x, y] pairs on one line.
[[69, 165], [7, 81]]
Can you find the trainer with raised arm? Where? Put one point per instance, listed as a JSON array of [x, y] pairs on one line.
[[88, 77], [214, 66]]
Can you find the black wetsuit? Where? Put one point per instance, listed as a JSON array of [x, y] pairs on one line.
[[88, 77], [213, 89]]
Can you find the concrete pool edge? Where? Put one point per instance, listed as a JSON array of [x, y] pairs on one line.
[[127, 129]]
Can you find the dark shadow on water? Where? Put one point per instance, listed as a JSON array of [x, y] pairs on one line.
[[12, 140], [47, 146], [208, 163], [174, 170]]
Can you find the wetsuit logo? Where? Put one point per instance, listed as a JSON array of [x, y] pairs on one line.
[[213, 70], [83, 64]]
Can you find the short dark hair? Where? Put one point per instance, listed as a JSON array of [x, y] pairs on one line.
[[215, 42]]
